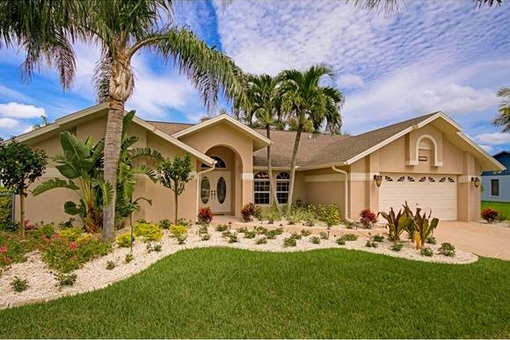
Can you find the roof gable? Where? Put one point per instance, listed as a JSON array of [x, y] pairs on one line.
[[95, 112], [259, 141]]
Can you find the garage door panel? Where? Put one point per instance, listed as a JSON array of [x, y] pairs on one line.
[[438, 193]]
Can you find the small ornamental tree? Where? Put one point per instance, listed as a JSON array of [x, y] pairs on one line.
[[174, 175], [20, 166]]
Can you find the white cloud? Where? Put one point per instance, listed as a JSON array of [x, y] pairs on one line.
[[489, 149], [495, 138], [8, 123], [21, 111], [349, 81], [8, 93]]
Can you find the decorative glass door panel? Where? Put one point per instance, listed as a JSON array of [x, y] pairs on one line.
[[216, 191]]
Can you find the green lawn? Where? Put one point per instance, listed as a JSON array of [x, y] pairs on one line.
[[229, 293], [503, 208]]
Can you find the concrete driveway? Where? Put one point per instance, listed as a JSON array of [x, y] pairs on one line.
[[489, 240]]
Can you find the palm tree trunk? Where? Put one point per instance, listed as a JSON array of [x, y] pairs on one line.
[[121, 87], [111, 163], [293, 167], [272, 188]]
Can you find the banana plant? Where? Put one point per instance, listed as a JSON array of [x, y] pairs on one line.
[[129, 170], [397, 223], [81, 165], [422, 226]]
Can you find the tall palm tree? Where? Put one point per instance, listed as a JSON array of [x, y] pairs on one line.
[[304, 99], [263, 106], [122, 29], [504, 110]]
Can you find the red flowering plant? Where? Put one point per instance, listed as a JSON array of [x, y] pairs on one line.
[[205, 215], [489, 215], [368, 218]]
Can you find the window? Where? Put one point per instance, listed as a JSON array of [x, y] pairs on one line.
[[261, 188], [220, 163], [494, 187], [282, 187]]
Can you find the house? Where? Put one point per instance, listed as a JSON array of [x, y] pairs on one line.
[[426, 161], [496, 185]]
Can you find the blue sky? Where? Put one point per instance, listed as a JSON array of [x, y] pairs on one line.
[[428, 56]]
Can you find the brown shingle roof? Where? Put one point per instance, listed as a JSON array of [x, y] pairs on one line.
[[314, 149]]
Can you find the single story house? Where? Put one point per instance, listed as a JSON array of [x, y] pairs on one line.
[[496, 185], [426, 161]]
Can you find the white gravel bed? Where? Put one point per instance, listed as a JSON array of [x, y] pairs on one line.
[[94, 275]]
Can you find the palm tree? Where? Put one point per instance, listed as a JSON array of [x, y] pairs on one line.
[[305, 100], [263, 106], [504, 110], [122, 29]]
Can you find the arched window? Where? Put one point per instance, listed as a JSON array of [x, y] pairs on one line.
[[261, 188], [425, 144], [282, 187], [220, 163]]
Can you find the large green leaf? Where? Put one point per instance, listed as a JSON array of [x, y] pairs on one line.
[[53, 184], [72, 208]]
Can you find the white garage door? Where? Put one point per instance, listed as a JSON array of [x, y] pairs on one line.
[[438, 193]]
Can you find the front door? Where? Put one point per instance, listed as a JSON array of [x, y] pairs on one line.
[[215, 191]]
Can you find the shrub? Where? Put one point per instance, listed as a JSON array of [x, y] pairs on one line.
[[149, 247], [221, 227], [65, 279], [329, 214], [249, 211], [185, 222], [158, 247], [110, 265], [378, 238], [124, 240], [350, 237], [149, 231], [129, 257], [489, 215], [242, 230], [205, 215], [165, 223], [48, 230], [65, 256], [278, 231], [271, 234], [447, 249], [19, 285], [324, 235], [250, 234], [315, 239], [368, 218], [371, 244], [273, 214], [180, 233], [205, 237], [431, 240], [341, 240], [261, 240], [72, 234], [232, 238], [397, 247], [202, 229], [66, 224], [427, 251], [261, 230], [289, 242], [11, 251], [296, 236], [305, 232]]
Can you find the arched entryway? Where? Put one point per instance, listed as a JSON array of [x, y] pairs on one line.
[[218, 186]]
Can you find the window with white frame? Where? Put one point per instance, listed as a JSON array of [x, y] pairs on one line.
[[282, 187], [261, 188]]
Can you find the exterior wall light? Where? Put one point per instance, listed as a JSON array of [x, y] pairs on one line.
[[378, 180], [475, 181]]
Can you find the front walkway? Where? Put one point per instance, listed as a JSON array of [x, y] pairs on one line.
[[490, 240]]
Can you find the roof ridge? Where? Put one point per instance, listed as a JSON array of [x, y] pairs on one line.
[[404, 122]]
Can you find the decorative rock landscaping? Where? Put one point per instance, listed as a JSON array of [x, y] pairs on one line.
[[43, 286]]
